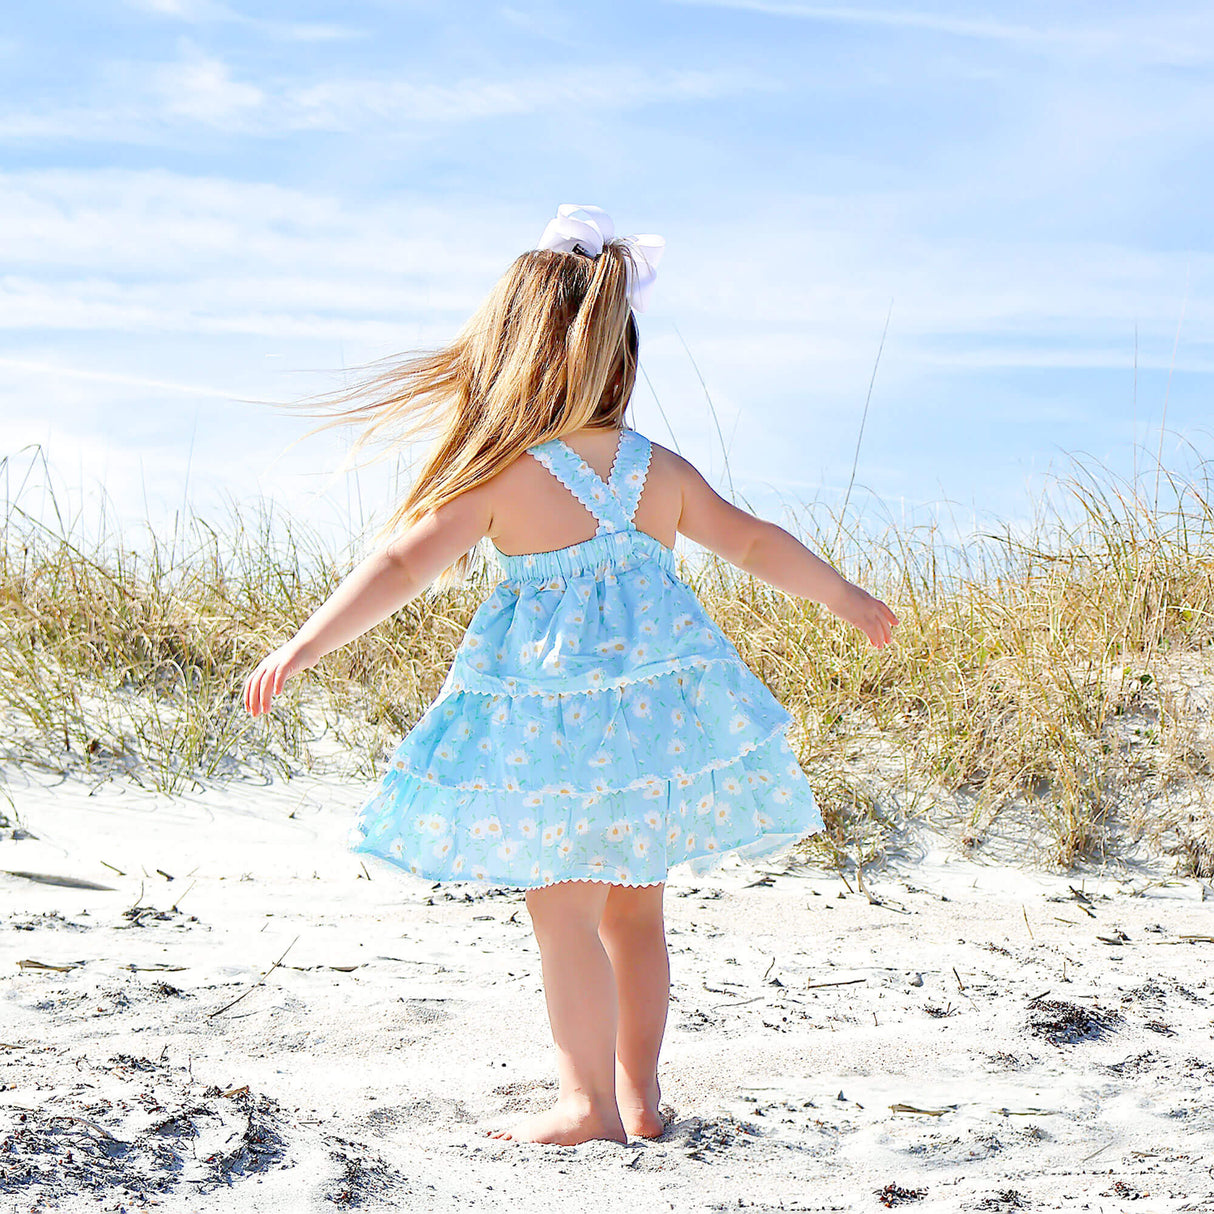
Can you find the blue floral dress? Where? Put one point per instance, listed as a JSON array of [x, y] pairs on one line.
[[595, 724]]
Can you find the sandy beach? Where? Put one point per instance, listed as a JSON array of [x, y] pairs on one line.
[[209, 1004]]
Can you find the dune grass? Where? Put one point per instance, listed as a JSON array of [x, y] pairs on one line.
[[1034, 669], [1044, 670]]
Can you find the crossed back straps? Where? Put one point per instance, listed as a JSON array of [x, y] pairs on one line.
[[612, 502]]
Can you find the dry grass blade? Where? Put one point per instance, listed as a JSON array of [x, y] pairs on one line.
[[260, 982]]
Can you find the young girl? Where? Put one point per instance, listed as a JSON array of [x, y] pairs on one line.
[[595, 726]]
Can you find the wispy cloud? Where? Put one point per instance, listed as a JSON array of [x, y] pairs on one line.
[[201, 88], [206, 12], [185, 10], [153, 225], [554, 23], [1142, 37], [61, 371], [347, 104], [149, 103], [940, 23]]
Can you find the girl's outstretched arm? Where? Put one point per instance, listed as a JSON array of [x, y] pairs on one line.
[[380, 585], [771, 553]]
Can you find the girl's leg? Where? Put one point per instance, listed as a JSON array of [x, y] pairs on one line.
[[634, 934], [579, 988]]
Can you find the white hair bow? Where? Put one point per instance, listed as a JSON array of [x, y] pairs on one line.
[[578, 229]]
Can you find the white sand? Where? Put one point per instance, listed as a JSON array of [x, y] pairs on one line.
[[371, 1087]]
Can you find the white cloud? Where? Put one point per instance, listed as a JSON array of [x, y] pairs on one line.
[[351, 104], [175, 308], [201, 88], [186, 10], [551, 22], [346, 104], [199, 12], [1176, 37], [59, 371], [144, 102], [964, 27], [156, 224]]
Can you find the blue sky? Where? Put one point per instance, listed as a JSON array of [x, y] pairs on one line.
[[202, 203]]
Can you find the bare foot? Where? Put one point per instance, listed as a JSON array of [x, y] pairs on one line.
[[639, 1108], [566, 1124]]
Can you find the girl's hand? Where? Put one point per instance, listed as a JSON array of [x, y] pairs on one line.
[[869, 614], [267, 680]]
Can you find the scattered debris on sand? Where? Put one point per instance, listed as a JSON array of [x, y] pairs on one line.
[[1068, 1023], [895, 1195], [140, 1127]]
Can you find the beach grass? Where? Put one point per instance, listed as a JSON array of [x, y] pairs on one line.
[[1040, 669]]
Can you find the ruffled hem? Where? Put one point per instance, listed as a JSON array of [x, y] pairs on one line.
[[758, 803], [703, 864], [589, 684], [597, 791], [689, 720]]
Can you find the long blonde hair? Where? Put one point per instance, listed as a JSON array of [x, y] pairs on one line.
[[552, 349]]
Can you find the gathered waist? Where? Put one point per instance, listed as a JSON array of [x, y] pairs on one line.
[[610, 550]]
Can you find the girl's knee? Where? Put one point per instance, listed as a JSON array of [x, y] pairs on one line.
[[633, 908], [567, 905]]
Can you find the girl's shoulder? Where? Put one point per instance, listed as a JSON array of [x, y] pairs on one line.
[[676, 472]]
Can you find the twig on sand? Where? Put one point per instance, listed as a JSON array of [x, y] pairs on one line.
[[180, 896], [961, 988], [741, 1002], [1025, 913], [84, 1121], [260, 981], [813, 986], [872, 900]]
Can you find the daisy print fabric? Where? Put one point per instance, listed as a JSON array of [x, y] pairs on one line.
[[594, 724]]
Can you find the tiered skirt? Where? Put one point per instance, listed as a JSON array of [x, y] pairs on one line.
[[595, 725]]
